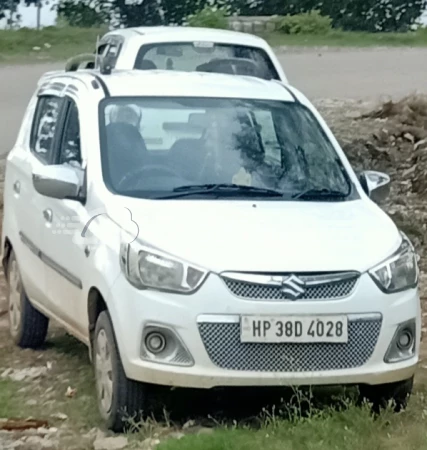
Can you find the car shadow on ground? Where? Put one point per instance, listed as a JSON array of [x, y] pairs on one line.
[[247, 406]]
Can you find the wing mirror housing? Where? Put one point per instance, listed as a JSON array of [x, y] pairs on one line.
[[63, 182], [375, 184]]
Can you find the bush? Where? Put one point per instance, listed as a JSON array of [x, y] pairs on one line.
[[305, 23], [209, 17]]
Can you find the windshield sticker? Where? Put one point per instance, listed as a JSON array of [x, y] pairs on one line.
[[242, 178]]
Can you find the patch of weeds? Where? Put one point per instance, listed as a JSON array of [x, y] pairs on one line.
[[69, 366], [300, 425], [12, 402]]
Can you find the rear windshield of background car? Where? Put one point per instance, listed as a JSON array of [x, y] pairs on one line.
[[207, 57]]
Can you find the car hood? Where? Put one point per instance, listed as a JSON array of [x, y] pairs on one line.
[[267, 236]]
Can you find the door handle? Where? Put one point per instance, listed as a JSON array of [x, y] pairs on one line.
[[48, 215], [17, 187]]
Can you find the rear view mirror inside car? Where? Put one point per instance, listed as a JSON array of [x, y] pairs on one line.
[[198, 119], [204, 47], [183, 127]]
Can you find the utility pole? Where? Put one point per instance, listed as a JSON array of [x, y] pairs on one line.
[[12, 10], [39, 9]]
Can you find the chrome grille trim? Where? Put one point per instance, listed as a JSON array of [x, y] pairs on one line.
[[329, 286], [223, 346], [235, 318]]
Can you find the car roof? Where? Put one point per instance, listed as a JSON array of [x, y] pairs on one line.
[[193, 84], [166, 83], [190, 34]]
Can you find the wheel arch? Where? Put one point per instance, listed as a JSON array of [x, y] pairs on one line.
[[96, 304], [6, 251]]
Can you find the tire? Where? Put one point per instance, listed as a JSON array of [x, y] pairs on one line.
[[380, 395], [28, 327], [128, 398]]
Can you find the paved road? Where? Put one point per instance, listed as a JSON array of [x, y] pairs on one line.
[[358, 74]]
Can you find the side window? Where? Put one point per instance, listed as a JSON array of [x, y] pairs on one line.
[[101, 49], [69, 151], [113, 53], [44, 127]]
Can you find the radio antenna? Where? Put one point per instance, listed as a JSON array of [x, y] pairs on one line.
[[96, 52]]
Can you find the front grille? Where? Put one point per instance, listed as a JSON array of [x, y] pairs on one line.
[[330, 291], [222, 343]]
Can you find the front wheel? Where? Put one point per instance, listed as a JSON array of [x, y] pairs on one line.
[[119, 399], [381, 395]]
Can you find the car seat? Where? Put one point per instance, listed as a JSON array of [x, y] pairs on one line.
[[186, 156], [145, 64], [126, 150]]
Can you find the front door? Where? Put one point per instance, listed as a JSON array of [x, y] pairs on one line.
[[67, 261]]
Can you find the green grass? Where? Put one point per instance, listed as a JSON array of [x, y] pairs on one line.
[[70, 367], [64, 42], [10, 399], [351, 39], [352, 429]]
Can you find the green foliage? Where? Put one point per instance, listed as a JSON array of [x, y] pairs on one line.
[[350, 15], [138, 14], [81, 14], [305, 23], [209, 17]]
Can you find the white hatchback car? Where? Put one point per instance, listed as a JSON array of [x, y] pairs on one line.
[[251, 255], [190, 49]]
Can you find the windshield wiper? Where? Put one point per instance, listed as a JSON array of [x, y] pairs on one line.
[[319, 193], [221, 188]]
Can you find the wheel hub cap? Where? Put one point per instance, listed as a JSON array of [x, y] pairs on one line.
[[14, 297], [104, 371]]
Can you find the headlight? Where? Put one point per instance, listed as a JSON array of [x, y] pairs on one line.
[[399, 272], [149, 268]]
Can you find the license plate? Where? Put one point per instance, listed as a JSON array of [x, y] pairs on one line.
[[295, 329]]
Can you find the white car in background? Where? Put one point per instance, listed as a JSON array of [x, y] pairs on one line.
[[190, 49], [253, 256]]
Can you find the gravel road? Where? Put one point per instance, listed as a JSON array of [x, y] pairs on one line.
[[367, 74]]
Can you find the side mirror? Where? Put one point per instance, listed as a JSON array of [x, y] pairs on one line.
[[59, 181], [375, 184]]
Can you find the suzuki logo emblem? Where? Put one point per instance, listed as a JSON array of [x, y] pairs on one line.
[[293, 287]]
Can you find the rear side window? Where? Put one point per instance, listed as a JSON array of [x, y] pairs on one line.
[[113, 52], [44, 128], [206, 57], [101, 49], [69, 151]]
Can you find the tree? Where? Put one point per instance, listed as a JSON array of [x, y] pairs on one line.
[[8, 9], [355, 15], [360, 15], [138, 12], [84, 14]]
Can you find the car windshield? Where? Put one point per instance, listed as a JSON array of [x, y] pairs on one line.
[[155, 147], [206, 57]]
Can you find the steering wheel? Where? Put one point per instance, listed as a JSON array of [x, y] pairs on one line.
[[130, 178]]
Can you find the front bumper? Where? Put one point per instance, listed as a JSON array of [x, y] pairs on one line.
[[132, 310]]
